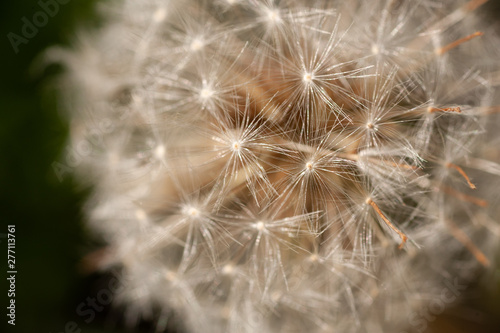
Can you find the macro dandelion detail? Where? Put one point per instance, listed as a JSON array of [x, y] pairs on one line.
[[293, 166]]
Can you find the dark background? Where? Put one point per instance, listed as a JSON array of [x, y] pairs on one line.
[[50, 235]]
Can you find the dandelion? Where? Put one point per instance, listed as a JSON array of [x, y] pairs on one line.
[[300, 166]]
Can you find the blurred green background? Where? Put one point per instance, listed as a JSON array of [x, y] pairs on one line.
[[50, 235]]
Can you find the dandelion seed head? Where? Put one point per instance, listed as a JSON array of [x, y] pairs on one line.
[[140, 214], [160, 14], [314, 258], [375, 49], [272, 16], [371, 126], [159, 152], [328, 163], [236, 146], [308, 78], [228, 269], [206, 93], [190, 211], [196, 44], [260, 226]]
